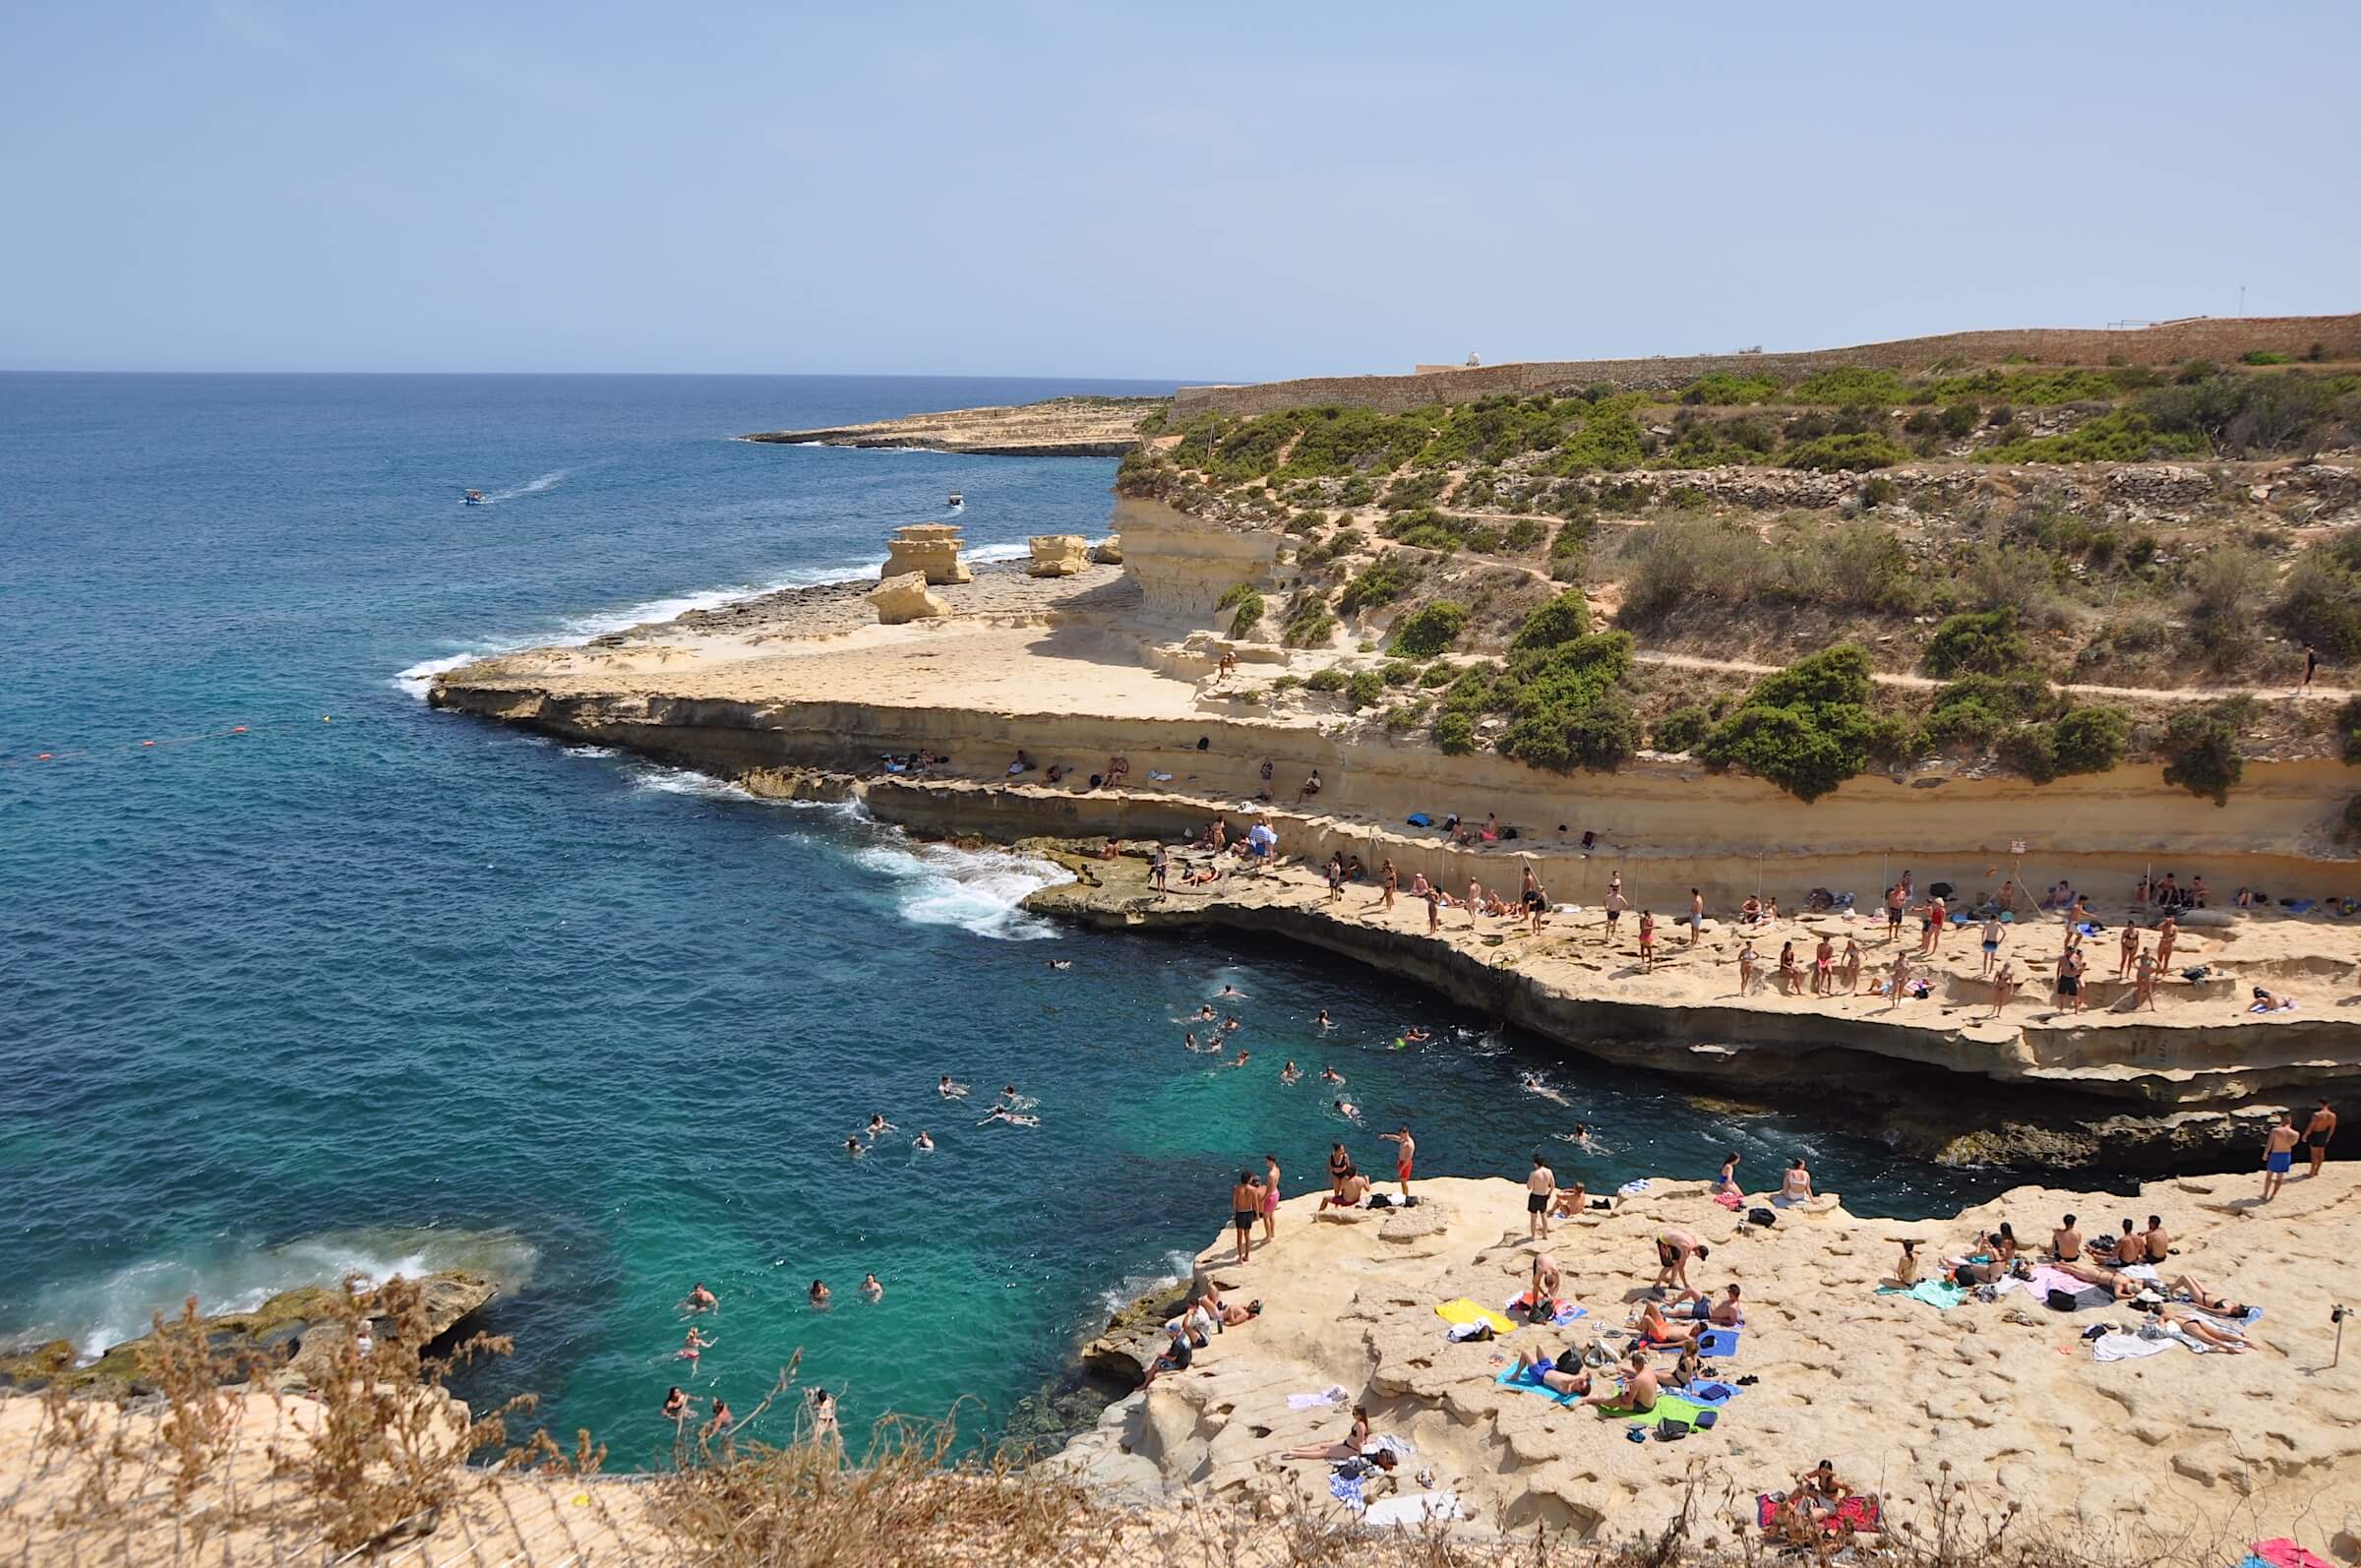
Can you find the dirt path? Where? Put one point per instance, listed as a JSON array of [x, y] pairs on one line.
[[2186, 694]]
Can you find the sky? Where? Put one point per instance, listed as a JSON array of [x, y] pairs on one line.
[[1191, 192]]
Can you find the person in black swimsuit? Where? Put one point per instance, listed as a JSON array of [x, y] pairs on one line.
[[1245, 1203], [1339, 1165]]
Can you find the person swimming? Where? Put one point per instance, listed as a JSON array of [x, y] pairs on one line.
[[923, 1143], [701, 1299], [1061, 963], [878, 1123], [949, 1090], [1331, 1075], [1416, 1036], [1228, 992], [1241, 1059], [1324, 1021], [1189, 1041], [1291, 1072], [1347, 1109], [871, 1288], [676, 1403], [1533, 1084], [1230, 1023], [1011, 1118], [1207, 1012], [819, 1293], [852, 1146], [694, 1346]]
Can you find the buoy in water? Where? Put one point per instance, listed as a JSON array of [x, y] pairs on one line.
[[147, 743], [324, 718], [45, 756], [239, 730]]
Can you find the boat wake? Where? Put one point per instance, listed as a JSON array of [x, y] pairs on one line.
[[101, 1312], [531, 487]]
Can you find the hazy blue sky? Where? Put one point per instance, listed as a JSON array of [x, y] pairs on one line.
[[1184, 190]]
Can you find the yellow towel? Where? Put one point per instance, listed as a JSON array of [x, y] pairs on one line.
[[1463, 1310]]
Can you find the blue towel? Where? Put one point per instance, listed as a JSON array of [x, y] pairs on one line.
[[1346, 1489], [1420, 820], [1508, 1379], [1717, 1341], [1713, 1394]]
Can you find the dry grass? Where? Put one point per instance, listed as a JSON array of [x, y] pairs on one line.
[[376, 1467]]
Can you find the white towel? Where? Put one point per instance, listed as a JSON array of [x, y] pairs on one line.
[[1314, 1401], [2123, 1347]]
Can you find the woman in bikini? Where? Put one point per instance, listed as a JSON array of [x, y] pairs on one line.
[[1350, 1448]]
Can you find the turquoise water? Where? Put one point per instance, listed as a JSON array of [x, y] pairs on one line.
[[404, 989]]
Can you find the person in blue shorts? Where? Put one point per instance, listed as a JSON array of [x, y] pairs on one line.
[[2278, 1154]]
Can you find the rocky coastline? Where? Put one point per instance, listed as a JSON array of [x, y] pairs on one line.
[[1060, 426]]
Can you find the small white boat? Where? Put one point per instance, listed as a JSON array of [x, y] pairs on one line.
[[474, 497], [958, 500]]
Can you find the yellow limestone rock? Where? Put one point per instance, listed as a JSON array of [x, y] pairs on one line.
[[1057, 555], [904, 597], [930, 549], [1108, 552]]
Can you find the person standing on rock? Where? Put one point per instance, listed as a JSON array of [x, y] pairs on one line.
[[1616, 903], [1405, 1157], [1270, 1197], [1434, 909], [2278, 1154], [2317, 1133], [2311, 666], [1386, 877], [2144, 993], [1647, 940], [1994, 934], [1159, 869], [1541, 1185], [1897, 900], [2129, 952], [1245, 1203], [1536, 902], [2168, 932], [1673, 1249], [1696, 915]]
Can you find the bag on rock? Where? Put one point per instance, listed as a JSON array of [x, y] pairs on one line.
[[1761, 1216]]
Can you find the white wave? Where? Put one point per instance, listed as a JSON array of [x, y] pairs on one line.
[[418, 677], [592, 751], [1178, 1269], [681, 781], [530, 487], [976, 890], [99, 1312]]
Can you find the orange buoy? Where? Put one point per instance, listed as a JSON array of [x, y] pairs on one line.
[[44, 756], [239, 730], [147, 743]]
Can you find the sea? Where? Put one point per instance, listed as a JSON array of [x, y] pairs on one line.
[[301, 979]]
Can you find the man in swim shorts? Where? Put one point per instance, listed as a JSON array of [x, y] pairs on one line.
[[1245, 1204], [2278, 1154], [1541, 1185], [1403, 1158], [1673, 1249], [2317, 1133]]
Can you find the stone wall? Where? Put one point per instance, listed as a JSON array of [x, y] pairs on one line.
[[2224, 338]]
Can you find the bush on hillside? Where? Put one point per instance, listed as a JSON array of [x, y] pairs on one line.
[[1455, 733], [2348, 729], [1381, 581], [1330, 679], [1249, 606], [1682, 729], [1806, 728], [1977, 643], [1428, 629], [1365, 688], [2201, 751], [2092, 740], [1565, 709], [1851, 453], [1556, 620], [2320, 601], [2122, 436]]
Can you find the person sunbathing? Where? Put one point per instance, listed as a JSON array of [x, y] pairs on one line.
[[2178, 1320], [2090, 1273], [1653, 1327], [1201, 878], [1562, 1375], [1635, 1390], [1905, 1267], [1352, 1447], [2206, 1301], [1724, 1313], [1569, 1202]]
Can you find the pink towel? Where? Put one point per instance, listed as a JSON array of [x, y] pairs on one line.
[[2046, 1279], [2286, 1553], [1729, 1200]]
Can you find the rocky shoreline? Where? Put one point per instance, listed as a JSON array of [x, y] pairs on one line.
[[1060, 426]]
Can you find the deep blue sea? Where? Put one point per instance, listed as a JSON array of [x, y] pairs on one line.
[[370, 987]]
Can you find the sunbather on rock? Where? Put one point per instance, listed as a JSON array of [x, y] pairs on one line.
[[1635, 1390], [1562, 1375]]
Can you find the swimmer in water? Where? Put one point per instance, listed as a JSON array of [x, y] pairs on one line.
[[1324, 1021], [1291, 1072], [1228, 992], [1416, 1036], [878, 1123], [1533, 1084], [820, 1293], [1582, 1136], [694, 1346], [871, 1288], [1241, 1059], [1207, 1013], [1331, 1075], [949, 1090], [1003, 1114], [1189, 1041], [1229, 1024], [923, 1143], [701, 1299], [1061, 963], [1347, 1109], [852, 1146]]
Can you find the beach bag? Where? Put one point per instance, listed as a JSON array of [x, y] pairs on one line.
[[1671, 1428], [2061, 1300], [1471, 1333], [1761, 1216], [1707, 1418]]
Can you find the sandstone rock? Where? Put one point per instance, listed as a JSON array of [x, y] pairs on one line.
[[1430, 1218], [904, 597], [1057, 555], [931, 549], [1108, 552]]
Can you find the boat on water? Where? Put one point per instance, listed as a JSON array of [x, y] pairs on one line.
[[474, 497], [958, 500]]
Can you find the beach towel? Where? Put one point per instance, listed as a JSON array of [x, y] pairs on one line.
[[1860, 1511], [2126, 1347], [1524, 1383], [1463, 1310], [2046, 1279], [1161, 779], [1940, 1295], [1633, 1188], [1416, 1509], [1714, 1394], [1667, 1405], [2284, 1553], [1562, 1312], [2143, 1271], [1388, 1443], [1315, 1401], [1729, 1200], [1717, 1341], [1346, 1489], [1420, 819]]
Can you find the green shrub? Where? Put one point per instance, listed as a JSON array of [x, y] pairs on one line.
[[1564, 706], [1413, 490], [1850, 386], [1806, 728], [1830, 453], [1428, 629], [1365, 688], [1523, 534], [2321, 603], [1285, 683], [1429, 529], [2092, 740], [1311, 630], [1559, 619], [2122, 436], [2032, 750], [1722, 387], [1399, 671], [2262, 356], [1455, 732], [1980, 642], [2201, 751], [1342, 542], [2348, 729], [1381, 581], [1877, 491], [1682, 729], [1249, 613], [1330, 679]]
